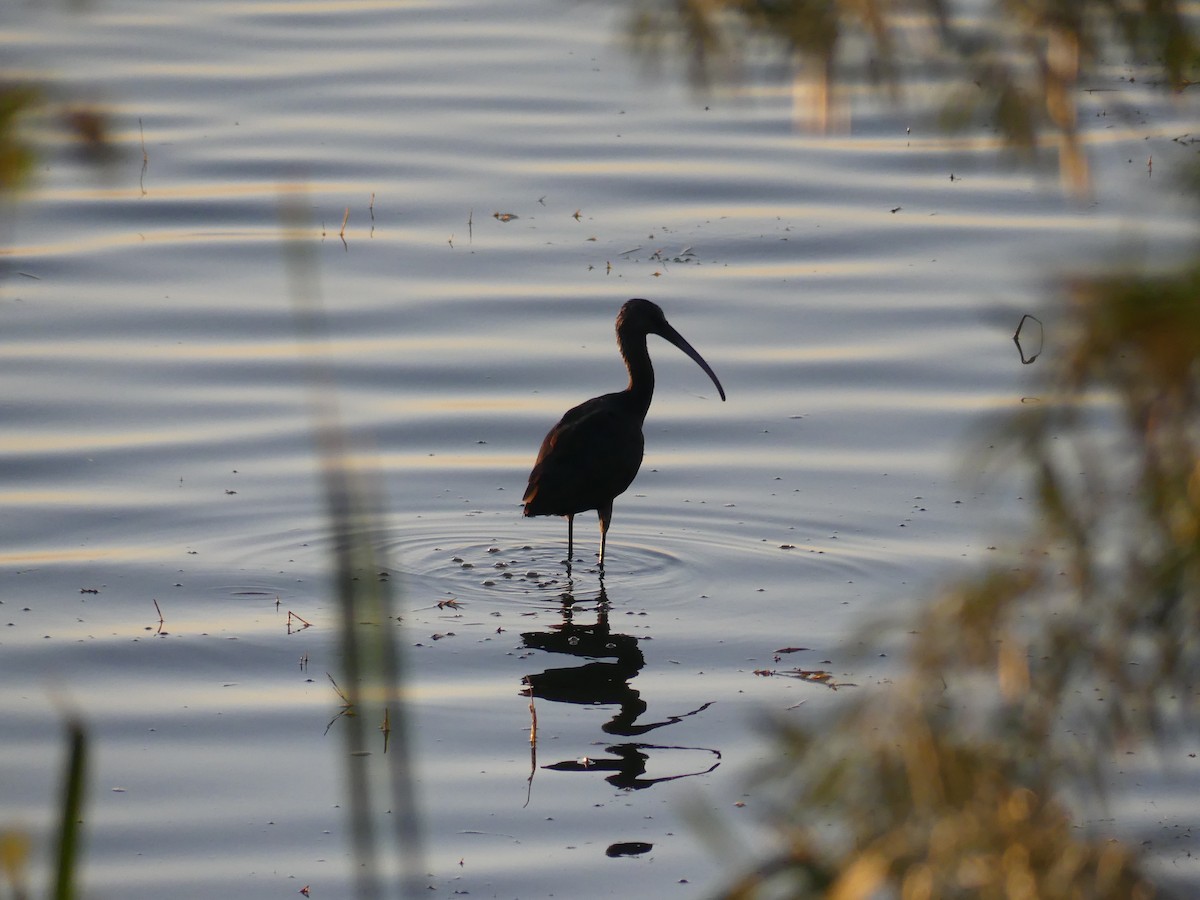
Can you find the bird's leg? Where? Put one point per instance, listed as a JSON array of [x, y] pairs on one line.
[[605, 514], [570, 540]]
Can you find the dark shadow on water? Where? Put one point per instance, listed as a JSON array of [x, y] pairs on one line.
[[613, 662]]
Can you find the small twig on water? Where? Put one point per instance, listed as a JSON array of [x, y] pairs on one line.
[[303, 623], [145, 158], [1027, 359], [812, 676], [532, 748], [347, 706]]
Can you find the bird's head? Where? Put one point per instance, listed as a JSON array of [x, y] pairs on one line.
[[640, 317]]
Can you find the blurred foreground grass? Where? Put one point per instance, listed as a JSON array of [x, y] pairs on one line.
[[966, 776], [382, 807], [1014, 68]]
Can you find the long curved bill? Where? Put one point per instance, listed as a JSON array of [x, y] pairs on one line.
[[677, 339]]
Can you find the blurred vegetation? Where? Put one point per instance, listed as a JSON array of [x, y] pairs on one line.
[[16, 153], [380, 782], [74, 787], [1013, 66], [16, 845], [380, 787], [968, 776], [31, 116], [965, 777], [21, 106]]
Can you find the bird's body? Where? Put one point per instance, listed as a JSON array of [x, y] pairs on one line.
[[593, 454]]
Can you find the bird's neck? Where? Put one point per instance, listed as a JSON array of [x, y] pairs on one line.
[[641, 373]]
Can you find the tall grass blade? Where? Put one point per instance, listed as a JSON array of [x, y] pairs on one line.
[[74, 783], [378, 767]]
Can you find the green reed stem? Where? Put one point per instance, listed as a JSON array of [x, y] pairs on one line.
[[74, 783]]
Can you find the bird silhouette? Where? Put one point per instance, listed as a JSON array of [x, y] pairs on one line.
[[593, 454]]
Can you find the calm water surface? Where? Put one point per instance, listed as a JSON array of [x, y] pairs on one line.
[[856, 301]]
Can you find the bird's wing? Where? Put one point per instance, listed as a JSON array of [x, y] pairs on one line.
[[589, 457]]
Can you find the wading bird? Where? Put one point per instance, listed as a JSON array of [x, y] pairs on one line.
[[592, 455]]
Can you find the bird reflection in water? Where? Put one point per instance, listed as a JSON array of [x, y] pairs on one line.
[[614, 660]]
